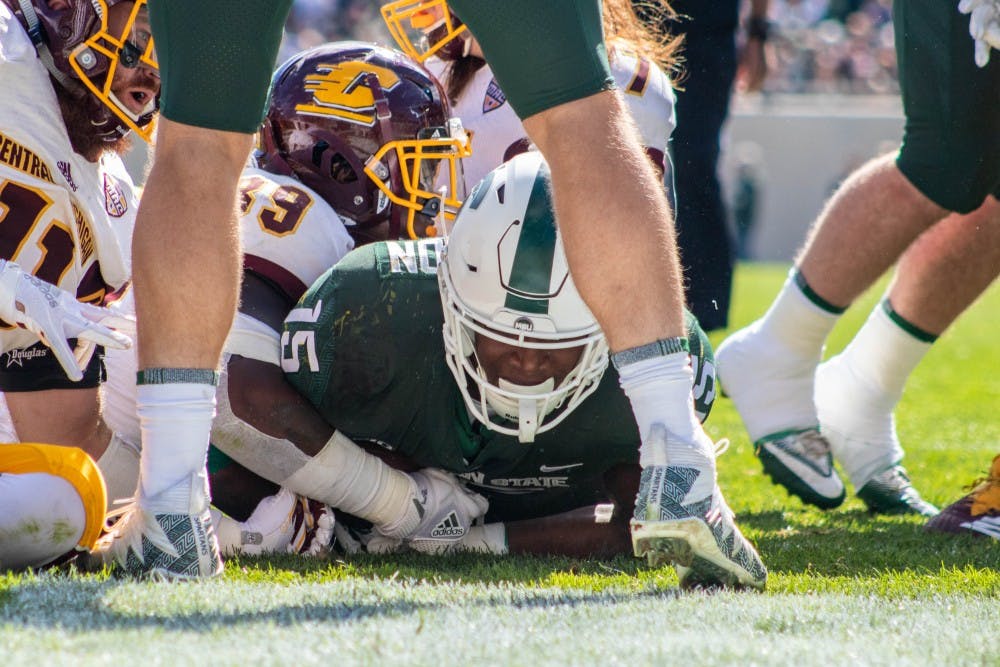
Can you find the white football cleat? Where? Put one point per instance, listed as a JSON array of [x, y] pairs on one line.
[[772, 390], [167, 545], [681, 518]]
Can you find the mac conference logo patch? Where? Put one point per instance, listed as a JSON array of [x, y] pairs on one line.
[[494, 97], [115, 202]]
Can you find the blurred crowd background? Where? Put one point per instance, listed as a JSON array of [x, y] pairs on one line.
[[815, 46]]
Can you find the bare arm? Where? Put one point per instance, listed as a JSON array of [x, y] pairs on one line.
[[576, 533], [752, 69], [258, 391]]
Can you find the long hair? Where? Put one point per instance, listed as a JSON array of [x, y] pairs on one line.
[[622, 24], [639, 25]]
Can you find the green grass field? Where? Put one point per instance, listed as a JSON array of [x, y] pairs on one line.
[[845, 588]]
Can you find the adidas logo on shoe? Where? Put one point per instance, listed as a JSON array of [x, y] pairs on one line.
[[448, 528]]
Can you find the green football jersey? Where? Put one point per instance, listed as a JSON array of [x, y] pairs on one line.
[[364, 346]]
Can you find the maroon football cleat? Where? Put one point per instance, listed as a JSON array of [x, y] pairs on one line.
[[977, 513]]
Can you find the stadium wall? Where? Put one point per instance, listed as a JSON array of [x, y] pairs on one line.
[[801, 147]]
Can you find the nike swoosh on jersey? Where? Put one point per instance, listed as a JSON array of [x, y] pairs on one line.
[[545, 468]]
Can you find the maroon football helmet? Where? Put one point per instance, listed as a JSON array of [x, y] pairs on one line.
[[368, 129], [81, 49]]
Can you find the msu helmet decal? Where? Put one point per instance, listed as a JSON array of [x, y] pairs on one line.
[[371, 132]]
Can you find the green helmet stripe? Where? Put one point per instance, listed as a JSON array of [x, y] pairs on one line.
[[531, 271]]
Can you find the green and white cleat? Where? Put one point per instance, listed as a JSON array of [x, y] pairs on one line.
[[682, 518], [801, 461], [166, 545], [890, 492]]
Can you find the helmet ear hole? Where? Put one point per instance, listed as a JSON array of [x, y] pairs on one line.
[[319, 148], [341, 170]]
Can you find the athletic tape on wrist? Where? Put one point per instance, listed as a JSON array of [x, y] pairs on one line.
[[658, 348], [177, 376]]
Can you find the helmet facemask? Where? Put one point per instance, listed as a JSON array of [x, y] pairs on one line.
[[416, 166], [425, 28], [96, 60], [502, 404]]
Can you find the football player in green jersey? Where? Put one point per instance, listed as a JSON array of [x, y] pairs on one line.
[[508, 388]]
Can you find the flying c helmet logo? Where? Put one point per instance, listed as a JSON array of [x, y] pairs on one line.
[[344, 90]]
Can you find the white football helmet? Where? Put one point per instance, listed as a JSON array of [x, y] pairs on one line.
[[504, 275]]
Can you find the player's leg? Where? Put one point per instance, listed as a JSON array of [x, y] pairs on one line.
[[619, 240], [35, 387], [949, 161], [937, 278], [710, 59], [215, 62], [53, 500], [79, 423], [768, 368]]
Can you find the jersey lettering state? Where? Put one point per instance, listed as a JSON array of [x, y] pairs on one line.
[[378, 374]]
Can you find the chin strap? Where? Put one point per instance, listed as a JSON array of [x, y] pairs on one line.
[[524, 409]]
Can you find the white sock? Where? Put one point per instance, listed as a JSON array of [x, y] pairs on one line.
[[176, 419], [797, 322], [659, 389], [119, 466], [857, 392], [883, 355], [768, 368]]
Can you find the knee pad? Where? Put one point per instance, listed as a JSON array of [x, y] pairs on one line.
[[71, 464]]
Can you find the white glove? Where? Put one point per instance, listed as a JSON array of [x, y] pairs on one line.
[[54, 315], [284, 522], [448, 509], [984, 26], [488, 539], [314, 534]]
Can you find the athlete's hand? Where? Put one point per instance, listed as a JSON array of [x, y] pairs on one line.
[[488, 539], [54, 315], [984, 26], [447, 509]]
